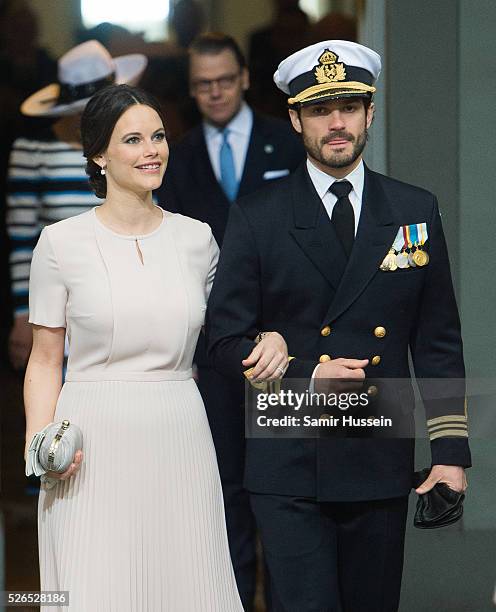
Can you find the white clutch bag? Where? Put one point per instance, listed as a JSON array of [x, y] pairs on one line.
[[53, 448]]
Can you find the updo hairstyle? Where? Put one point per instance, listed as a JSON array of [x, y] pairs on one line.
[[98, 121]]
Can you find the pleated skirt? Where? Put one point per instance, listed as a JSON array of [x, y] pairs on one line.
[[141, 527]]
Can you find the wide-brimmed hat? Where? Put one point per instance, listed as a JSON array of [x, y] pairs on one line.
[[82, 71], [328, 70]]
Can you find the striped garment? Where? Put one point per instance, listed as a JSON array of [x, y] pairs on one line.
[[46, 183]]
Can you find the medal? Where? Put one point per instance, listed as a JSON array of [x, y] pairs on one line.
[[411, 261], [402, 260], [407, 250], [412, 244], [391, 259], [402, 257], [389, 262], [420, 258], [385, 264]]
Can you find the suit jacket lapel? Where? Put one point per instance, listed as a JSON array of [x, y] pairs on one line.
[[254, 162], [204, 172], [375, 235], [313, 230]]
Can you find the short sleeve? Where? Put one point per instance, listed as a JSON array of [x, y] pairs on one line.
[[47, 291], [213, 251]]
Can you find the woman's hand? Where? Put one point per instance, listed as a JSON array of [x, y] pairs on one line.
[[269, 359], [71, 470]]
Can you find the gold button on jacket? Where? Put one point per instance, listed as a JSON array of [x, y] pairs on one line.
[[325, 331], [379, 332], [372, 391], [376, 360], [324, 358]]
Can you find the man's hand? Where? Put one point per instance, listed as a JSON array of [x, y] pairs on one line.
[[452, 475], [269, 358], [342, 368], [340, 375], [20, 342]]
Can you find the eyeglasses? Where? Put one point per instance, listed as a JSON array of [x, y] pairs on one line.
[[223, 82]]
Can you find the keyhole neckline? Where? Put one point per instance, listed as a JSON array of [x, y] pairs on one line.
[[132, 237]]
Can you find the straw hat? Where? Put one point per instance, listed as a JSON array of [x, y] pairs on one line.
[[81, 72]]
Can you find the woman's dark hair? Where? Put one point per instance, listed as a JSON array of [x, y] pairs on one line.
[[98, 121]]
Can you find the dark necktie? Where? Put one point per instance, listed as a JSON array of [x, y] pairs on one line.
[[343, 218]]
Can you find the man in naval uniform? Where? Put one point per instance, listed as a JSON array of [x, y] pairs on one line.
[[351, 267]]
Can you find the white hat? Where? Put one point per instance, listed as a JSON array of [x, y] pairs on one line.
[[328, 69], [81, 72]]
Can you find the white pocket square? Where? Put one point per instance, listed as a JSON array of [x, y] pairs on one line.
[[273, 174]]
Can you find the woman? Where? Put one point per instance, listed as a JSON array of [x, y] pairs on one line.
[[137, 525]]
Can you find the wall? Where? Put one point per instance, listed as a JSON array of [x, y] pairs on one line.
[[441, 128], [423, 103], [59, 19], [240, 18], [373, 34], [477, 137]]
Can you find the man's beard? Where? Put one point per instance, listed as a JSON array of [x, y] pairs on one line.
[[336, 159]]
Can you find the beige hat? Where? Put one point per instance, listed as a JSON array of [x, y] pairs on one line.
[[82, 71]]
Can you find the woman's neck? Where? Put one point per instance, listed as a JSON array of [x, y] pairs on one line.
[[130, 214]]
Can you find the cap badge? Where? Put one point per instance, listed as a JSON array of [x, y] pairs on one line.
[[328, 71]]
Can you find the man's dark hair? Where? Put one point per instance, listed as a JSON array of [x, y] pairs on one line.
[[98, 121], [213, 43], [367, 102]]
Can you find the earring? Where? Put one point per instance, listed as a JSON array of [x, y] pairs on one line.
[[102, 171]]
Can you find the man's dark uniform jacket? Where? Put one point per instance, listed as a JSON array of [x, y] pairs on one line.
[[282, 268]]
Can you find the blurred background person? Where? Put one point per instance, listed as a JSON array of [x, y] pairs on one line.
[[268, 46], [187, 21], [231, 153], [166, 76], [24, 67], [46, 177], [117, 39], [334, 26]]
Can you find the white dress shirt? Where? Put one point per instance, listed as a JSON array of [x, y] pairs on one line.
[[239, 137], [323, 181]]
